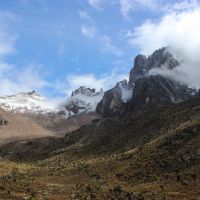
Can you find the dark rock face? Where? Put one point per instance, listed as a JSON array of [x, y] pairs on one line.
[[139, 70], [83, 91], [157, 90], [110, 105], [112, 102], [143, 64], [162, 57]]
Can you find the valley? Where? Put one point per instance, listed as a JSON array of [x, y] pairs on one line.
[[163, 163], [137, 141]]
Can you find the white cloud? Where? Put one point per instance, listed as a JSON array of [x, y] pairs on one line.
[[96, 3], [85, 16], [7, 37], [126, 6], [106, 43], [107, 46], [88, 31], [180, 30], [12, 77], [181, 6], [31, 77], [187, 73], [130, 5], [14, 80]]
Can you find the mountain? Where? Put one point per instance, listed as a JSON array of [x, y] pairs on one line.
[[28, 115], [83, 100], [111, 103], [144, 144], [142, 64], [145, 89], [149, 154], [85, 104], [157, 90], [27, 102]]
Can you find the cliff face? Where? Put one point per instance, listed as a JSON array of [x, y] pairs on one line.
[[157, 90], [110, 105]]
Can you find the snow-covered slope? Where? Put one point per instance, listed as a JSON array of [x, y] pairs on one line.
[[83, 100], [27, 102]]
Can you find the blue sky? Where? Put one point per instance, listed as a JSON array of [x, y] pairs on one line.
[[55, 46]]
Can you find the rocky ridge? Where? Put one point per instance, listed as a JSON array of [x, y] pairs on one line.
[[82, 100]]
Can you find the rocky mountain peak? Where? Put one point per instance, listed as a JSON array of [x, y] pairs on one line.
[[83, 91], [142, 64], [144, 89], [83, 100], [140, 69], [162, 58]]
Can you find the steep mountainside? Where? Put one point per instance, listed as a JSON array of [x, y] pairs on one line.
[[157, 90], [110, 105]]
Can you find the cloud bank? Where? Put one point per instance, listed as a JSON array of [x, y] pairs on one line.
[[179, 29]]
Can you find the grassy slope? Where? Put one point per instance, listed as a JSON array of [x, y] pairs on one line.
[[154, 154]]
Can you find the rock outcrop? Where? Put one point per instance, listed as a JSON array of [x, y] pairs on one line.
[[110, 105], [113, 100]]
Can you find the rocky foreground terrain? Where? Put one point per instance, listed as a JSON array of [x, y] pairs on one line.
[[145, 144]]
